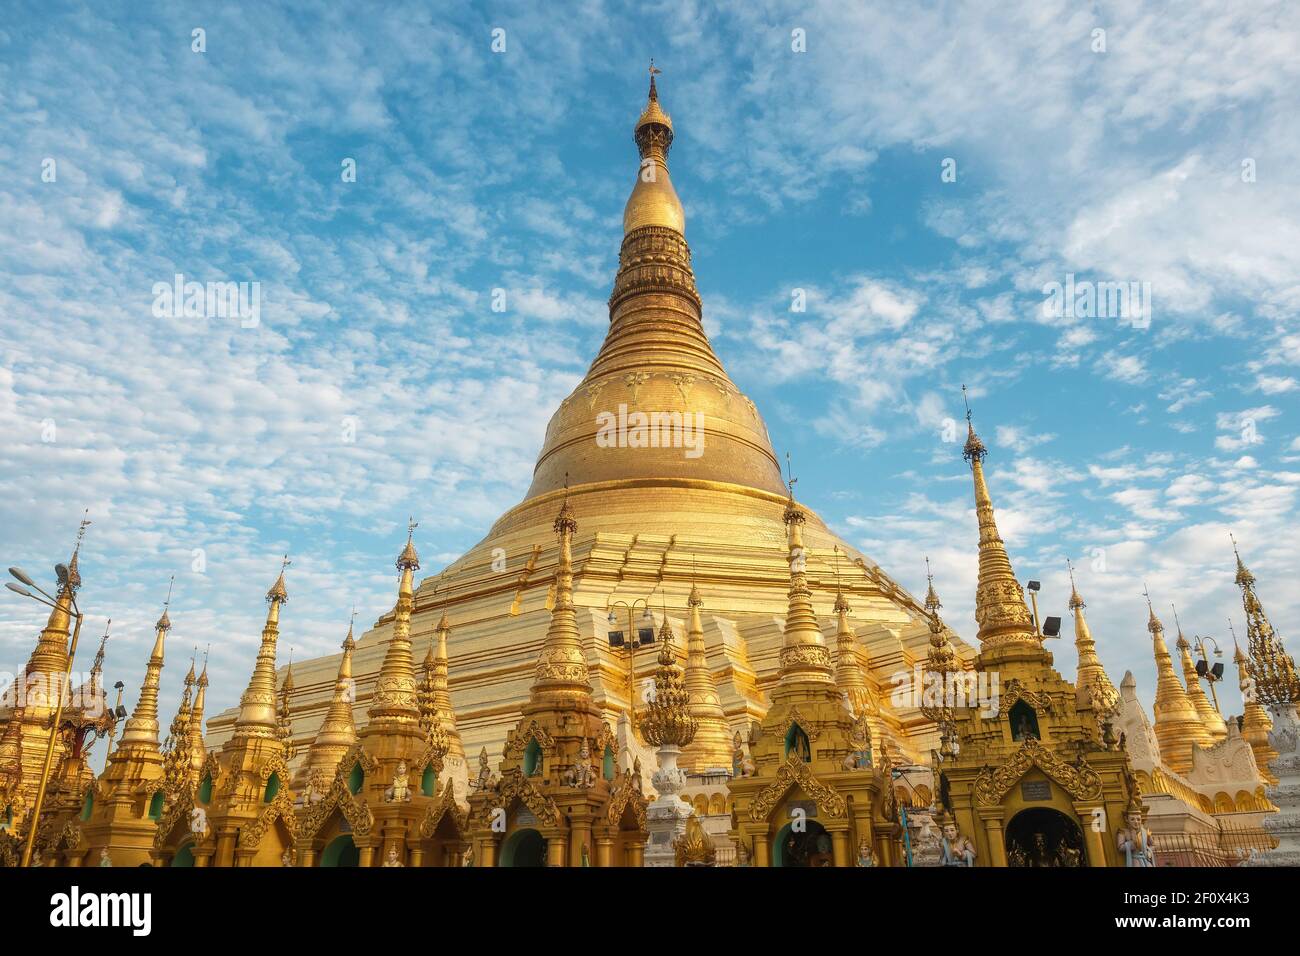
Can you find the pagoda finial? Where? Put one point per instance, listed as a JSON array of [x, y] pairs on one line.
[[1076, 602]]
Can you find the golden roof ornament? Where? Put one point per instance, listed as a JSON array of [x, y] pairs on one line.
[[1255, 720], [941, 661], [668, 721], [395, 695], [1091, 674], [257, 706], [279, 594], [1271, 667], [850, 676], [804, 655], [1177, 725], [142, 727], [693, 847], [178, 757], [712, 744], [561, 674], [50, 656], [409, 559], [1000, 608]]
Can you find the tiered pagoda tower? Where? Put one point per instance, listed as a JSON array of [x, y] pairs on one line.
[[241, 813], [130, 794], [559, 800], [1033, 782], [816, 793]]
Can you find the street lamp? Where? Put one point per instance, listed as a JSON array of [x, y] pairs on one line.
[[61, 571], [630, 641], [1210, 673]]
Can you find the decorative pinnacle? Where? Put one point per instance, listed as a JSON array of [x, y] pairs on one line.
[[165, 622], [974, 449], [1076, 601], [932, 603], [793, 513], [279, 593], [1153, 622], [408, 558], [565, 520], [1244, 577], [73, 580], [841, 603]]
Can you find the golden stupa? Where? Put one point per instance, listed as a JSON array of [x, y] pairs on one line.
[[672, 469]]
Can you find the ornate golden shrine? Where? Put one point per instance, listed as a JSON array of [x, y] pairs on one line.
[[559, 800], [815, 792], [1033, 756]]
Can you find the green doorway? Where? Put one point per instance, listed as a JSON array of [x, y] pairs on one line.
[[524, 848], [341, 851], [809, 848]]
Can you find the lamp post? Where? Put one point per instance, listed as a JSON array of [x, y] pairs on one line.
[[630, 641], [45, 599], [1210, 673]]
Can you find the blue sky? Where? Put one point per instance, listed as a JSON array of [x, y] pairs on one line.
[[1132, 451]]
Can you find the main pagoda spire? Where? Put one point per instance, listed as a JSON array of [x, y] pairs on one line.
[[656, 359]]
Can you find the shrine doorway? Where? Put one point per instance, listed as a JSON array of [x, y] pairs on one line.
[[184, 856], [341, 851], [524, 848], [1041, 836], [809, 848]]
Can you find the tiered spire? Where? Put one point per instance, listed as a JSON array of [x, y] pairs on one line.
[[1210, 717], [283, 719], [1000, 608], [1255, 721], [142, 728], [804, 656], [1178, 727], [1091, 674], [850, 676], [178, 757], [51, 653], [394, 697], [257, 710], [941, 661], [562, 665], [338, 731], [711, 747], [1273, 669], [668, 721], [198, 749], [436, 691]]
